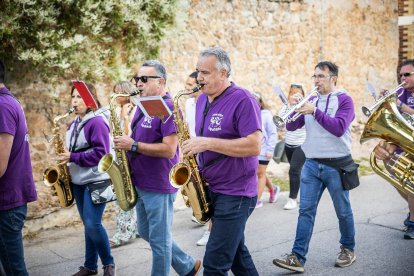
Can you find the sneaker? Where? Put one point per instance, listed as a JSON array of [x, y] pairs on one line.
[[409, 233], [259, 204], [291, 262], [83, 271], [345, 258], [274, 194], [204, 239], [291, 204], [193, 219]]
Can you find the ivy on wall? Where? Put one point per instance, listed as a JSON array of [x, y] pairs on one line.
[[88, 39]]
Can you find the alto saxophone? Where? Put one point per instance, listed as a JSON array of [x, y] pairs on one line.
[[58, 178], [186, 175], [126, 195]]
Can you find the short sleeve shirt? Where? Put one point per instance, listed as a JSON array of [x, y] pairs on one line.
[[16, 185], [149, 173], [233, 114]]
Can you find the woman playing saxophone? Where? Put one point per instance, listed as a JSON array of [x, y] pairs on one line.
[[87, 140]]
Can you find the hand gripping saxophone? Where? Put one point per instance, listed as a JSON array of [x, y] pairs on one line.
[[126, 195], [186, 175], [58, 177]]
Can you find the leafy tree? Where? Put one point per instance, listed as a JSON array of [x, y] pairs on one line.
[[89, 39]]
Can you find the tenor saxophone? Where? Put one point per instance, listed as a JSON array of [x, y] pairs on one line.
[[186, 175], [126, 195], [58, 177]]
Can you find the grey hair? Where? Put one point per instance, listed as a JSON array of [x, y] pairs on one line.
[[223, 60], [159, 68], [125, 86]]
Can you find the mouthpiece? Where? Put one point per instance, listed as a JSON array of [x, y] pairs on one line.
[[198, 87]]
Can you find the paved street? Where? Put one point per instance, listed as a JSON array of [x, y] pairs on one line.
[[378, 209]]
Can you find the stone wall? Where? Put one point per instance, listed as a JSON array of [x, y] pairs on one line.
[[269, 43]]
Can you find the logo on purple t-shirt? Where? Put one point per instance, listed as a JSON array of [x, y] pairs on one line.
[[215, 122], [147, 122]]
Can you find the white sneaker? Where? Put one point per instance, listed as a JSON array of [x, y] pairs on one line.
[[290, 204], [204, 239]]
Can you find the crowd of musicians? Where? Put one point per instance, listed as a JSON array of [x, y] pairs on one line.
[[228, 129]]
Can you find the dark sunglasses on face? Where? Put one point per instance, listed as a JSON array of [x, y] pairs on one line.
[[406, 74], [144, 79]]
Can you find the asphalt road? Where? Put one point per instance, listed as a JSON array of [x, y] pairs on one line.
[[378, 209]]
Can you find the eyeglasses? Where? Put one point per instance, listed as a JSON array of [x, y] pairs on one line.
[[406, 74], [320, 77], [144, 79]]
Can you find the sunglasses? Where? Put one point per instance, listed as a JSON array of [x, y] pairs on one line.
[[144, 79], [406, 74]]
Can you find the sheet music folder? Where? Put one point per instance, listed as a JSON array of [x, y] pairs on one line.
[[85, 94], [154, 106]]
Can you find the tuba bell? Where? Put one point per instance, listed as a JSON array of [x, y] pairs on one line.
[[386, 122]]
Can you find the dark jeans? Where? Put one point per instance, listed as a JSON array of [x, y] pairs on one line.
[[96, 239], [225, 249], [11, 241], [296, 158]]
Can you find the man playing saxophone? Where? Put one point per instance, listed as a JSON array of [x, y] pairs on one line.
[[153, 150], [228, 142], [385, 151]]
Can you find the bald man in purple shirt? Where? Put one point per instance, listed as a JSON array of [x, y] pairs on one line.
[[16, 180], [228, 128]]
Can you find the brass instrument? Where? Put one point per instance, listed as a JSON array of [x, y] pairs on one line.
[[387, 123], [126, 195], [186, 175], [280, 121], [368, 110], [58, 178]]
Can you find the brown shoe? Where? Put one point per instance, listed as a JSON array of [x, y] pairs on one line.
[[83, 271], [109, 270], [196, 269]]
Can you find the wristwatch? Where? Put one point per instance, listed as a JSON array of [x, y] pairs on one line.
[[134, 147]]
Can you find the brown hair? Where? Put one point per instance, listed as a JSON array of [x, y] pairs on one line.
[[91, 89], [259, 98], [296, 88], [124, 86]]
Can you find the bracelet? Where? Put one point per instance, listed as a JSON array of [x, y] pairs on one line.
[[134, 147]]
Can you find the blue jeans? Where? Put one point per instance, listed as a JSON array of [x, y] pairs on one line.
[[225, 249], [315, 177], [155, 216], [11, 241], [96, 238]]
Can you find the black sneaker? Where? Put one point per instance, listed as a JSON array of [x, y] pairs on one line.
[[345, 258], [409, 233], [291, 262]]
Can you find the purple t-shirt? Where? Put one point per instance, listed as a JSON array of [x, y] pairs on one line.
[[406, 97], [149, 173], [233, 114], [16, 185]]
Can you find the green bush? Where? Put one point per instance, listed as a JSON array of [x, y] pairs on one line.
[[88, 39]]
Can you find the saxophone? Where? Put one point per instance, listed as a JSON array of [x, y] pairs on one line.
[[126, 195], [58, 178], [186, 175]]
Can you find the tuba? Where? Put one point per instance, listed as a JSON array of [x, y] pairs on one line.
[[386, 122], [126, 195], [280, 121], [186, 175], [58, 178]]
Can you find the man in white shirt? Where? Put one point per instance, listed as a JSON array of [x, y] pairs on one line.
[[190, 103]]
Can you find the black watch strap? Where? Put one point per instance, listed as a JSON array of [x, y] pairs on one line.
[[134, 147]]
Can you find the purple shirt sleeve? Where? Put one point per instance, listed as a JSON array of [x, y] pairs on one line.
[[7, 120], [343, 117], [97, 135], [298, 123], [248, 117]]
